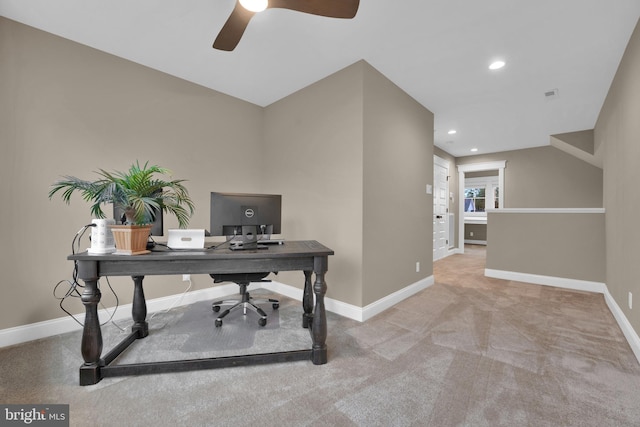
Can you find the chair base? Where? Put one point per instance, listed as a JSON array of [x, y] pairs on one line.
[[247, 303]]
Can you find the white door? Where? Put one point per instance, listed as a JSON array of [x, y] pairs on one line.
[[440, 208]]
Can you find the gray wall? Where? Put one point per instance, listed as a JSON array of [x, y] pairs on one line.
[[582, 140], [314, 148], [398, 165], [564, 245], [349, 150], [69, 109], [546, 177], [479, 232], [617, 134]]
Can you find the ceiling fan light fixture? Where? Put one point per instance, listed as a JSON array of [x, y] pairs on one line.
[[496, 65], [255, 5], [244, 10]]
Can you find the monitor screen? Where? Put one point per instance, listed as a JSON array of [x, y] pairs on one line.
[[231, 211]]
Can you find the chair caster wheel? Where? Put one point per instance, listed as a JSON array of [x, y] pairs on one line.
[[261, 322], [218, 321], [275, 306], [216, 308]]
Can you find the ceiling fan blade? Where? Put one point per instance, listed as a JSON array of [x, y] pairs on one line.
[[232, 30], [331, 8]]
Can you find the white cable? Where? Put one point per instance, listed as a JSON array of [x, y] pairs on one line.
[[179, 299]]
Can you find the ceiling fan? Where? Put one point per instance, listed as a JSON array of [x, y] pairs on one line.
[[244, 10]]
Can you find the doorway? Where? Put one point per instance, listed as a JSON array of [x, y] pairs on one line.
[[477, 167]]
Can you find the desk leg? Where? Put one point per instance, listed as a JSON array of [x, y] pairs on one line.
[[307, 301], [319, 325], [91, 346], [139, 310]]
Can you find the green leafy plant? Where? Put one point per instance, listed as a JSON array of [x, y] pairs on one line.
[[137, 192]]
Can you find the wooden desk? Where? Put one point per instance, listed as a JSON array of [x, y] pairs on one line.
[[307, 256]]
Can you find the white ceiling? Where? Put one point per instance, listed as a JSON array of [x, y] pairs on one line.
[[438, 51]]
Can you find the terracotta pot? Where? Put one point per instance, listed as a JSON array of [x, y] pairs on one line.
[[131, 239]]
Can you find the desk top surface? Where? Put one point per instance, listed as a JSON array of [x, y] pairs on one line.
[[290, 249]]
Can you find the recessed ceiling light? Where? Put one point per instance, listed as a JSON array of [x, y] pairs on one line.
[[452, 131], [473, 150], [496, 65]]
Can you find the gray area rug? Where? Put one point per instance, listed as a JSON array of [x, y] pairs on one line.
[[189, 332]]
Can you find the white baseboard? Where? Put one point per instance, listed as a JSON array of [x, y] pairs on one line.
[[61, 325], [34, 331], [342, 308], [581, 285], [389, 301], [351, 311], [21, 334], [559, 282], [450, 251], [628, 331], [475, 242]]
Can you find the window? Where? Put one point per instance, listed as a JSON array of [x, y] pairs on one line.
[[480, 194], [474, 199]]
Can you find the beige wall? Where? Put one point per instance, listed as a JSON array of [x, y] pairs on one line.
[[617, 133], [546, 177], [314, 148], [582, 140], [564, 245], [351, 149], [479, 232], [398, 165], [69, 109]]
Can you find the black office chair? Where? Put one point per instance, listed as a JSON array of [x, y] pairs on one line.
[[246, 301]]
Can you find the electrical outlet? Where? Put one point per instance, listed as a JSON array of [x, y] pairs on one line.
[[186, 277], [630, 301], [471, 233], [418, 267]]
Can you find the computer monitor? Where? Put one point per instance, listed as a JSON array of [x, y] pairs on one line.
[[249, 217]]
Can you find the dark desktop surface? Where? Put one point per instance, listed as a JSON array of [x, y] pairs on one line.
[[289, 248]]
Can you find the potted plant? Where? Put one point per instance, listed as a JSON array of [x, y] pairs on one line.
[[138, 193]]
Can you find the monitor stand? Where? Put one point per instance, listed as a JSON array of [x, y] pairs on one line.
[[249, 239]]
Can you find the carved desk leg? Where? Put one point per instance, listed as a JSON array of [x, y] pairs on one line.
[[139, 309], [319, 325], [91, 346], [307, 301]]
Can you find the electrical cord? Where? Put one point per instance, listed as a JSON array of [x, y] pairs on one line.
[[226, 242], [73, 284], [178, 300], [220, 245]]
